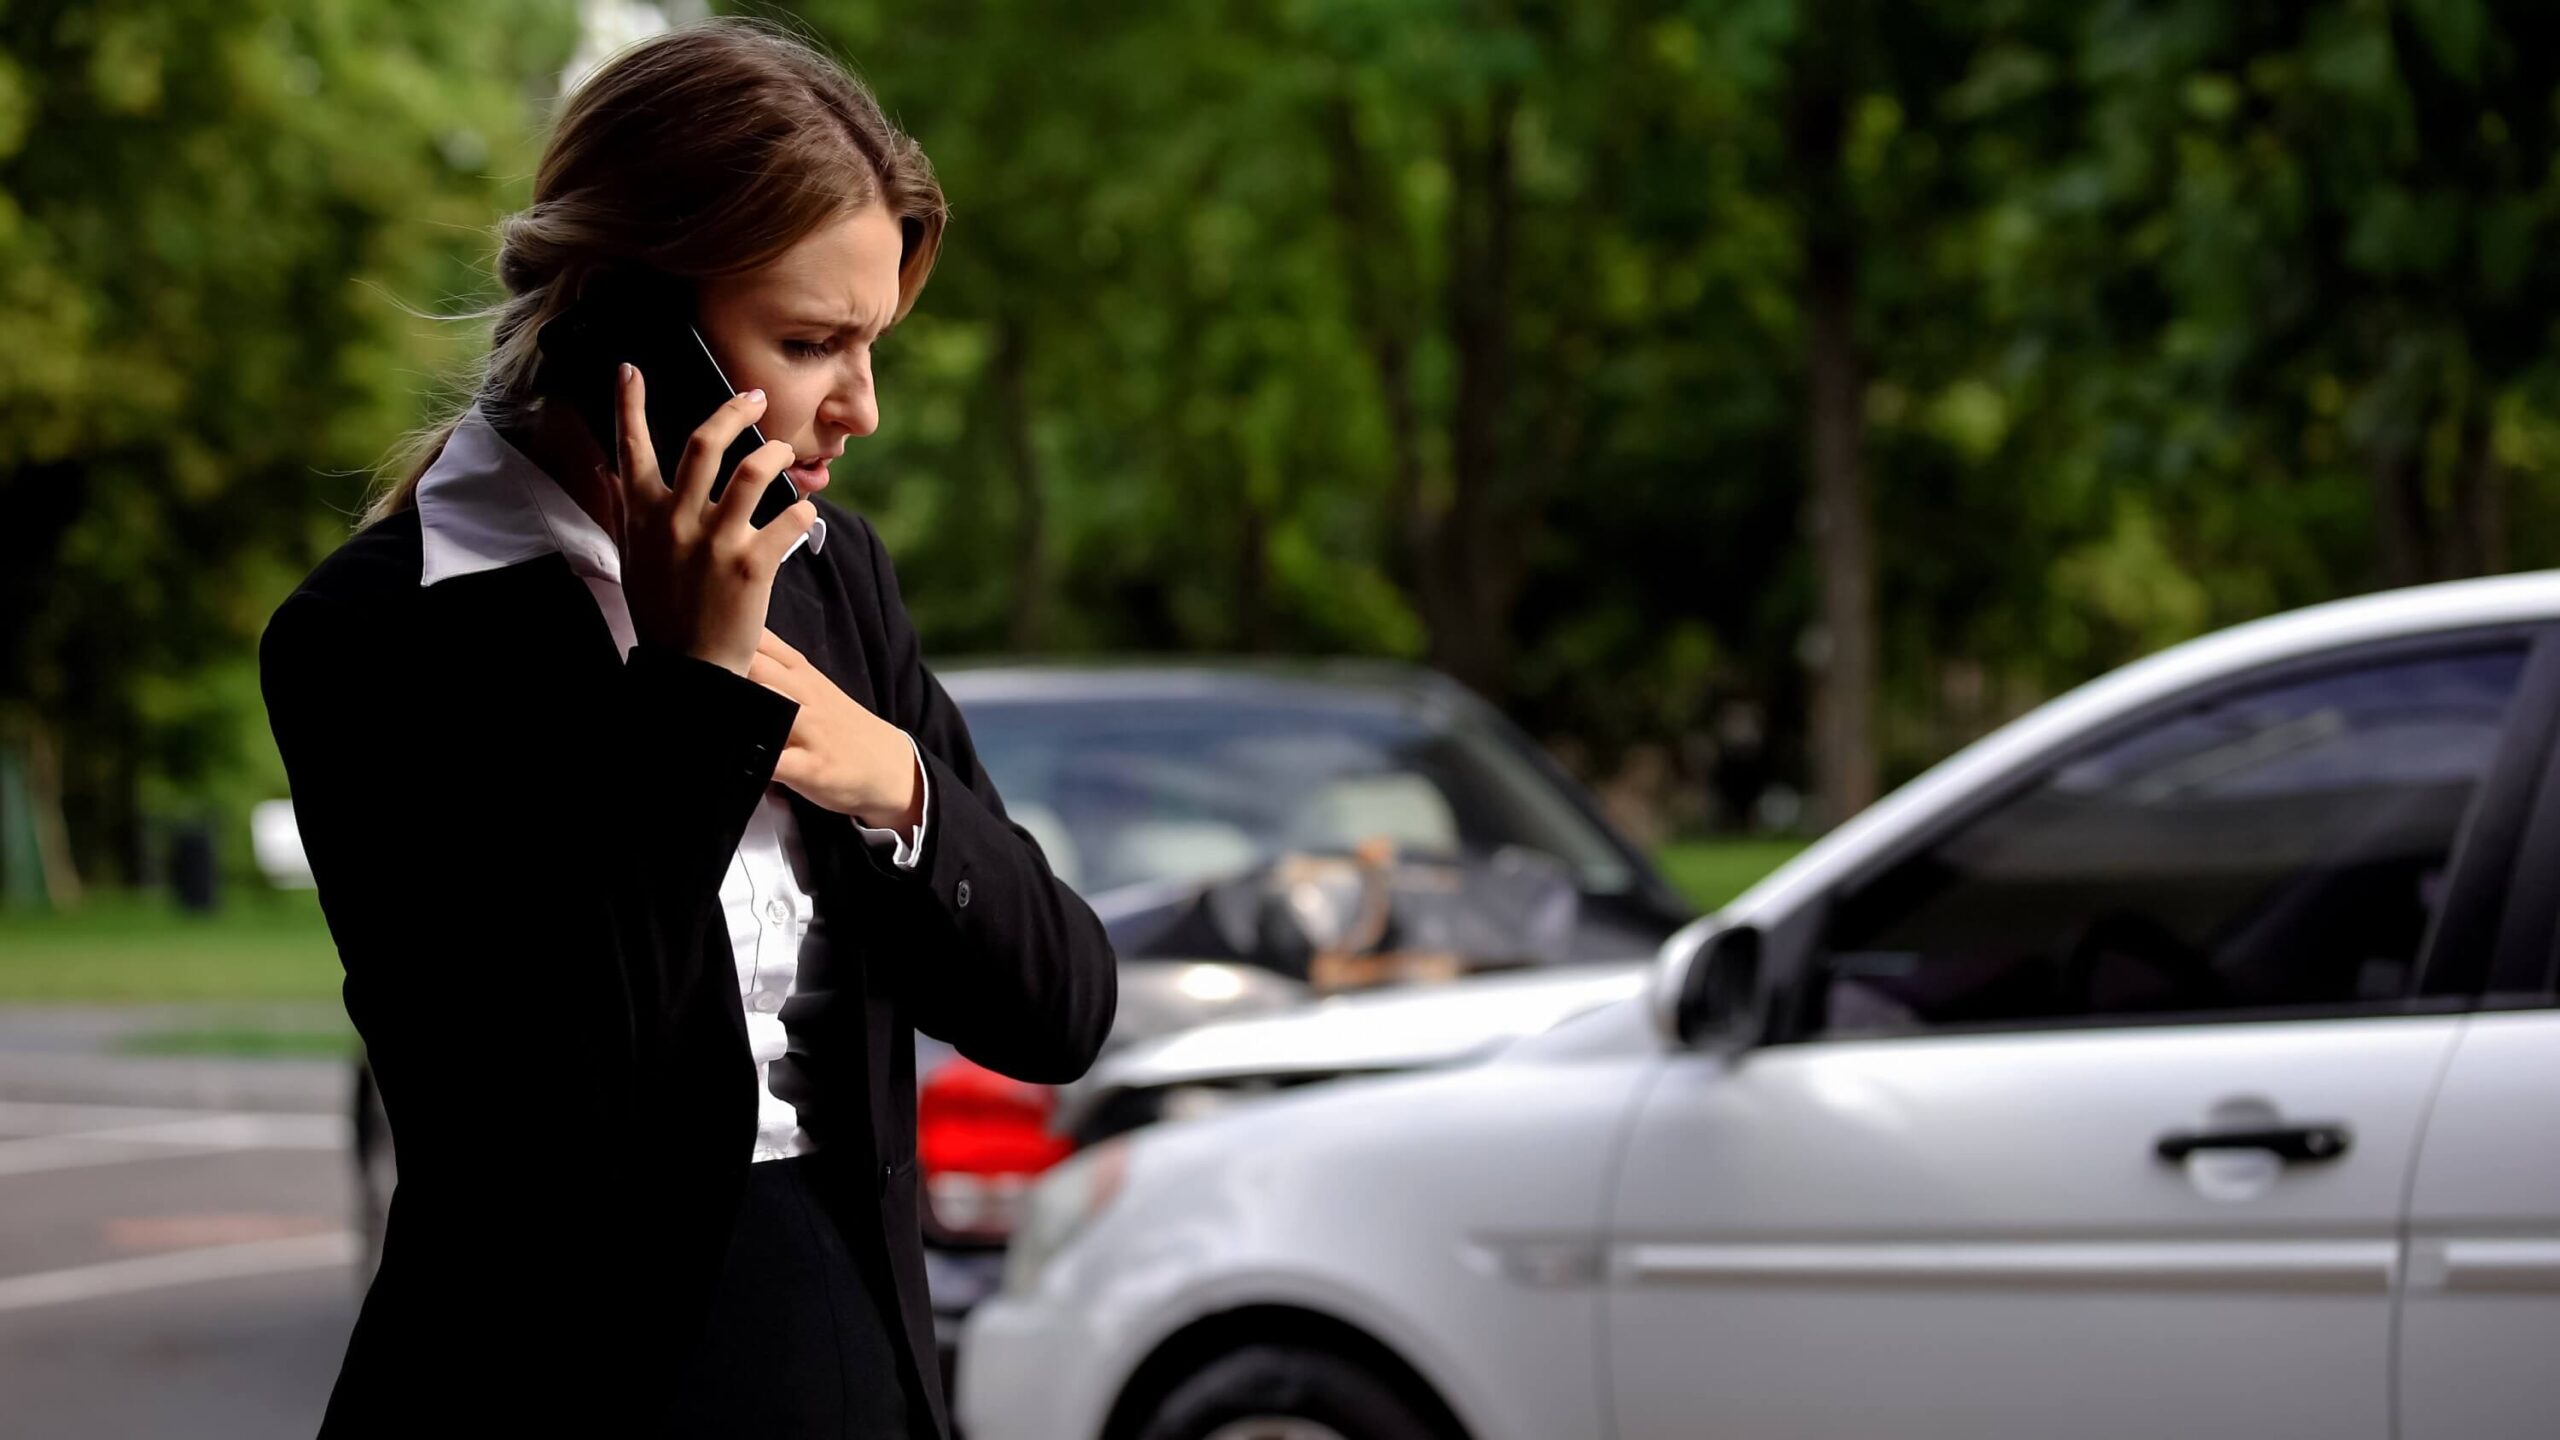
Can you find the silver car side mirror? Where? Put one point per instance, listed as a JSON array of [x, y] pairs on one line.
[[1706, 989]]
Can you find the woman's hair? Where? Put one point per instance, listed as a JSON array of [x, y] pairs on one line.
[[705, 150]]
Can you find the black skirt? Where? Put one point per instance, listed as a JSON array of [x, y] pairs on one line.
[[797, 1344]]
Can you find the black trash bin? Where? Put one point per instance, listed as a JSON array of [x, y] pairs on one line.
[[193, 877]]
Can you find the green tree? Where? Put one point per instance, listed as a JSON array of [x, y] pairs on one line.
[[206, 213]]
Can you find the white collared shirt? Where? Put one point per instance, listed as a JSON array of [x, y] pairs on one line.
[[484, 504]]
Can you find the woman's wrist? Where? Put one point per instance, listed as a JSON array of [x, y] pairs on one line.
[[896, 801]]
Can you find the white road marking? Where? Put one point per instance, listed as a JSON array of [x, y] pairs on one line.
[[47, 1117], [182, 1267], [159, 1234], [167, 1133]]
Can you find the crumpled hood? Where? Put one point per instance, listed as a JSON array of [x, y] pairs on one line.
[[1404, 1028]]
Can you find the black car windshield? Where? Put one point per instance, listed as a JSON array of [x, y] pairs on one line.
[[1127, 791]]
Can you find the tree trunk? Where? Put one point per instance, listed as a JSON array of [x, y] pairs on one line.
[[2479, 528], [1030, 565], [1460, 568], [1471, 627], [1844, 660], [1250, 601], [1367, 243], [2403, 533]]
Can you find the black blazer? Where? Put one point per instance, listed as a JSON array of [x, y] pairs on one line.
[[518, 839]]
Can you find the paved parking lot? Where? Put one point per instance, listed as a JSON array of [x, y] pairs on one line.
[[171, 1269]]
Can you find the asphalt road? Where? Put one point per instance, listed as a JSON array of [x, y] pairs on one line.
[[170, 1269]]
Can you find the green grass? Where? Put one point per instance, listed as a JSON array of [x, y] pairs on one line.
[[123, 947], [275, 946], [1711, 872], [243, 1040]]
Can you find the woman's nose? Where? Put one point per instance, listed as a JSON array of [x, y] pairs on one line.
[[859, 414], [853, 404]]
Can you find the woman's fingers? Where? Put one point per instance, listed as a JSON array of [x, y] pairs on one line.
[[774, 541], [770, 673], [793, 767], [735, 510], [700, 575], [635, 461], [709, 441], [779, 648]]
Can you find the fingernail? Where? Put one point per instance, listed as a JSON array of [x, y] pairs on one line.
[[756, 395], [627, 371]]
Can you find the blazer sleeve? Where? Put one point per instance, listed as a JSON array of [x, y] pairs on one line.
[[1018, 973], [518, 881]]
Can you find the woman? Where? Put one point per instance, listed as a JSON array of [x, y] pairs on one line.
[[646, 835]]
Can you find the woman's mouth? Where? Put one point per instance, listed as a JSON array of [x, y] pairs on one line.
[[809, 476]]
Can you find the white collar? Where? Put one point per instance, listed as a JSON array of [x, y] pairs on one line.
[[484, 504]]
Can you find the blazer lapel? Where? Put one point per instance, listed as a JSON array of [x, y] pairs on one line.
[[801, 614]]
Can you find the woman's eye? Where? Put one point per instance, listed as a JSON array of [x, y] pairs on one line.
[[808, 349]]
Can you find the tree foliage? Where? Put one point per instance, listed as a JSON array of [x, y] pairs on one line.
[[1486, 333], [208, 209]]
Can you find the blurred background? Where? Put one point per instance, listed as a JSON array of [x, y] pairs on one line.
[[1752, 401]]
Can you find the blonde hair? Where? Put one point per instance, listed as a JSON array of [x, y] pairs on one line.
[[705, 150]]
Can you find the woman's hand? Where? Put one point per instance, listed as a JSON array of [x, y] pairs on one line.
[[698, 576], [840, 755]]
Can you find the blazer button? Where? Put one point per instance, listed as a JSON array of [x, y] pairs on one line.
[[960, 895]]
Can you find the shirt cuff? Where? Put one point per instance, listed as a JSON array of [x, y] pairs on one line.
[[905, 848]]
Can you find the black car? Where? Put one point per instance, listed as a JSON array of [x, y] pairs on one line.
[[1185, 802]]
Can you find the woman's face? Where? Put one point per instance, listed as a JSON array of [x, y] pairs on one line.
[[802, 327]]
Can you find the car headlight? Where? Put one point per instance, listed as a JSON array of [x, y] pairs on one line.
[[1191, 1102], [1064, 1201]]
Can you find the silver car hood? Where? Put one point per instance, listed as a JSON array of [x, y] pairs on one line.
[[1401, 1028], [1162, 997]]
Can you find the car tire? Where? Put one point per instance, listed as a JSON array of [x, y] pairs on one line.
[[1287, 1392]]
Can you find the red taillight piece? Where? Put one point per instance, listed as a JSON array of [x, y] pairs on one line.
[[980, 1139]]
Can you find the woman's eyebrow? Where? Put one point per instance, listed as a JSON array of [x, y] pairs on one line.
[[835, 322]]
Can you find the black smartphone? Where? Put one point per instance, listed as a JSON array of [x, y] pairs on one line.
[[647, 320]]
